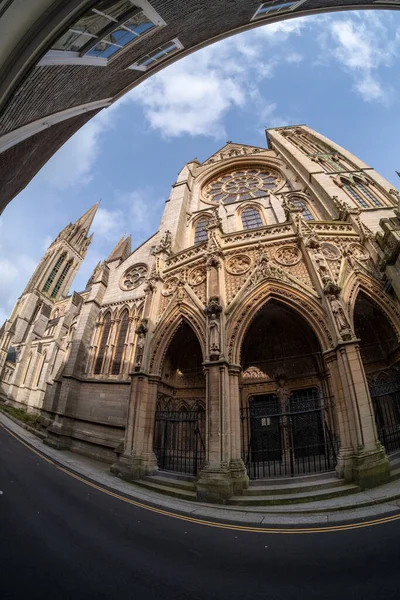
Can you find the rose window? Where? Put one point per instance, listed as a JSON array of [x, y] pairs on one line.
[[133, 277], [244, 184]]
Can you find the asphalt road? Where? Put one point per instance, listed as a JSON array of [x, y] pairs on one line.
[[62, 539]]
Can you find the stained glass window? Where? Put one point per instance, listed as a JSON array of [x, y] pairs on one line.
[[307, 214], [123, 328], [243, 184], [200, 232], [102, 347], [251, 218]]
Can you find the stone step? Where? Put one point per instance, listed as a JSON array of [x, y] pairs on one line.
[[394, 472], [296, 487], [169, 481], [162, 488], [274, 481], [271, 500]]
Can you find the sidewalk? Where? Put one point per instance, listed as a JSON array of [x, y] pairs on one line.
[[363, 506]]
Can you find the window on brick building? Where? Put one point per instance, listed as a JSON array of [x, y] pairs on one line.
[[157, 55], [102, 32]]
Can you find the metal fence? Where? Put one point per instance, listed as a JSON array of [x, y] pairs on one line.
[[179, 441], [288, 438], [386, 402]]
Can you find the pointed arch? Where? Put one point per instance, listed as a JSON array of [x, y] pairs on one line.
[[121, 339], [362, 282], [251, 216], [200, 229], [98, 367], [40, 369], [243, 315], [166, 329]]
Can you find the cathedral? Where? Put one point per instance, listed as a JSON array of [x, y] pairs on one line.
[[254, 336]]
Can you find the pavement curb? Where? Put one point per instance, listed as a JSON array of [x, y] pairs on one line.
[[385, 505]]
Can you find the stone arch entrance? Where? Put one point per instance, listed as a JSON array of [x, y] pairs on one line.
[[179, 428], [287, 414], [380, 353]]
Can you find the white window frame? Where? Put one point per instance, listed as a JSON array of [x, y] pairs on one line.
[[272, 5], [136, 67], [69, 57]]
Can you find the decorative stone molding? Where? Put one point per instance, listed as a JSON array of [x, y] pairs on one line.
[[238, 264], [164, 245], [358, 251], [288, 255], [197, 276], [330, 251], [170, 286], [133, 277], [254, 373]]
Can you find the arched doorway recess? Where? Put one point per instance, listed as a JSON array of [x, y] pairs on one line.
[[179, 429], [287, 413], [380, 353]]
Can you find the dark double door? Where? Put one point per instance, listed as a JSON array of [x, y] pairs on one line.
[[287, 439]]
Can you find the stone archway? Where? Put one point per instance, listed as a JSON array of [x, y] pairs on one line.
[[179, 431], [287, 415], [380, 354]]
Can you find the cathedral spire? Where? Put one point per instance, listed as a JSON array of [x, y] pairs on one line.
[[122, 250], [84, 222]]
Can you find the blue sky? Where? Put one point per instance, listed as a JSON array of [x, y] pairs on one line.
[[338, 73]]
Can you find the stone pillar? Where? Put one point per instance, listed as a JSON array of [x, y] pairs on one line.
[[237, 468], [223, 473], [370, 463], [138, 458]]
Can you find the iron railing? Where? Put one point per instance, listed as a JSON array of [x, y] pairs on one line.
[[289, 438], [386, 402], [179, 440]]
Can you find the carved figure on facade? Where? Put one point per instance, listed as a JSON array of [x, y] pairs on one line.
[[170, 286], [197, 276], [332, 293], [330, 251], [213, 311], [164, 245], [141, 342], [238, 264], [266, 270]]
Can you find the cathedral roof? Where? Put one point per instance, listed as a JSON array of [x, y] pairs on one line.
[[231, 150], [122, 250], [86, 219]]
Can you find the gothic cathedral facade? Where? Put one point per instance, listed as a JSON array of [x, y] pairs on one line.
[[255, 335]]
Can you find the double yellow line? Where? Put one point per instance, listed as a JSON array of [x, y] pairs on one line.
[[243, 528]]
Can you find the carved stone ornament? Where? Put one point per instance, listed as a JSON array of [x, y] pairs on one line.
[[254, 373], [140, 344], [164, 245], [170, 286], [358, 251], [133, 277], [330, 251], [288, 255], [197, 276], [238, 264], [213, 306]]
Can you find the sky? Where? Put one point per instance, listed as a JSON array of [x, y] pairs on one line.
[[337, 73]]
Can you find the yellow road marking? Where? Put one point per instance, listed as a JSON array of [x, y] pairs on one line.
[[243, 528]]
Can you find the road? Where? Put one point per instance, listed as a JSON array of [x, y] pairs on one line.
[[62, 539]]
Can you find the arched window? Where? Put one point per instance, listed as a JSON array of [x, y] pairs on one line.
[[54, 272], [27, 368], [123, 328], [366, 192], [251, 218], [60, 281], [102, 347], [41, 369], [307, 214], [200, 232]]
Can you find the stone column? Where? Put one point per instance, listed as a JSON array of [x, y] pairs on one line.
[[138, 458], [237, 468]]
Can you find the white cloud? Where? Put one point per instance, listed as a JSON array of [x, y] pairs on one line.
[[72, 164], [294, 57], [108, 224], [47, 241]]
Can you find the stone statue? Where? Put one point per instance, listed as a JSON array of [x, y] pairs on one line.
[[140, 349], [213, 332], [320, 261], [339, 314]]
